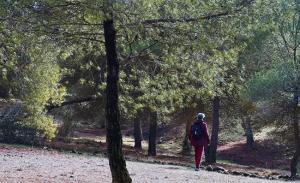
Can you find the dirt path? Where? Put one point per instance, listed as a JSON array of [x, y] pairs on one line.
[[22, 165]]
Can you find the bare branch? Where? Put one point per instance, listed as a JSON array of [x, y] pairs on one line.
[[208, 16], [92, 98]]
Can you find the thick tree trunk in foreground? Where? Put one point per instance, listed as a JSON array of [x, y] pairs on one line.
[[138, 136], [212, 154], [152, 134], [249, 132], [113, 135], [295, 159]]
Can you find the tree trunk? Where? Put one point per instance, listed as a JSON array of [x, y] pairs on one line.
[[152, 134], [4, 92], [138, 137], [296, 156], [186, 147], [249, 133], [212, 154], [206, 154], [113, 135]]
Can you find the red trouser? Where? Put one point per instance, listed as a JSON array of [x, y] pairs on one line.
[[198, 155]]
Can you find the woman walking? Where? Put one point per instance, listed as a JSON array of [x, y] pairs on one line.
[[199, 138]]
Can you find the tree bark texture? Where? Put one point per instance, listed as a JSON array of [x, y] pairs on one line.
[[186, 147], [138, 135], [212, 152], [152, 134], [249, 133], [113, 137], [295, 159]]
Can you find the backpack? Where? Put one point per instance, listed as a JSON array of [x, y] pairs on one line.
[[197, 131]]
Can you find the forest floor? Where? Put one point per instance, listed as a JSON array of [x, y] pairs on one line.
[[35, 165], [265, 158]]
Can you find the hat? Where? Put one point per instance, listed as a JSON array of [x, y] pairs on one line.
[[200, 116]]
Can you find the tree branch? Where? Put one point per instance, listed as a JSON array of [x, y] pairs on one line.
[[138, 53], [209, 16], [92, 98]]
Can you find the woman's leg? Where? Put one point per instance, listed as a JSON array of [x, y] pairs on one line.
[[198, 155]]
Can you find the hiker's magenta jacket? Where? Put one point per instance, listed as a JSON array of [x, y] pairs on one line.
[[204, 141]]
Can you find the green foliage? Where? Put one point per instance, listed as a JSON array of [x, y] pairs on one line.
[[281, 73], [12, 129], [37, 84], [271, 68], [265, 84], [172, 53], [187, 60], [42, 124]]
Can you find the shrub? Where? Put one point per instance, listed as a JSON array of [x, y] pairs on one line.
[[17, 127]]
